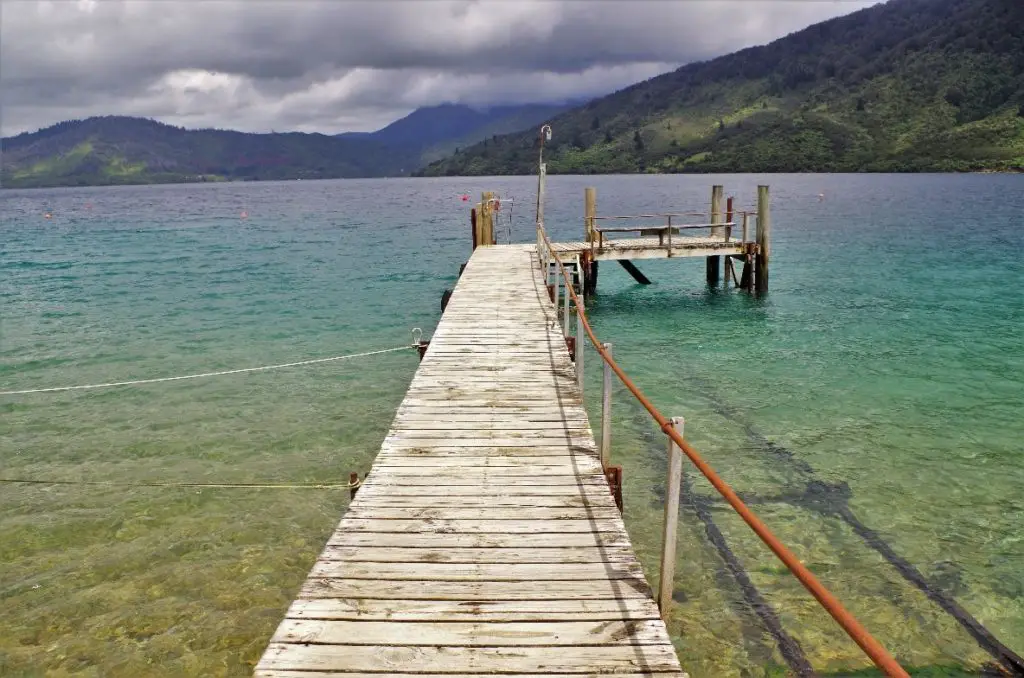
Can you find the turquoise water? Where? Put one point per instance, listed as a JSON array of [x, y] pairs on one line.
[[879, 385]]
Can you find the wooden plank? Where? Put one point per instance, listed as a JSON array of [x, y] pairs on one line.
[[515, 555], [460, 467], [474, 660], [581, 461], [372, 511], [539, 454], [403, 424], [474, 572], [511, 401], [444, 540], [370, 498], [477, 660], [274, 673], [471, 634], [438, 525], [444, 418], [483, 611], [491, 482], [492, 438]]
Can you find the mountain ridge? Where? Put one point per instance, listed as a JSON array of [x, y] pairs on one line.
[[909, 85], [105, 150]]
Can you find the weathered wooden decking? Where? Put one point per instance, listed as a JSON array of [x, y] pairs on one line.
[[651, 248], [485, 539]]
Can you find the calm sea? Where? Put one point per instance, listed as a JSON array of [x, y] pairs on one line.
[[870, 408]]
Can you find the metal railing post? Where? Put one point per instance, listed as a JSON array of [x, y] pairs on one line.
[[581, 339], [558, 288], [606, 411], [565, 310], [671, 524]]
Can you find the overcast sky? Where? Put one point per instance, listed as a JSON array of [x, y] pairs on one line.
[[338, 65]]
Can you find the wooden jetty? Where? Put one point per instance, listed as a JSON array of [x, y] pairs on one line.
[[735, 236], [485, 539]]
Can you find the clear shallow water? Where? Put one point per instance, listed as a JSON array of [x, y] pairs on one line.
[[880, 384]]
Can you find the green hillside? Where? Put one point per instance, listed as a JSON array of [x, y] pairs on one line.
[[121, 150], [911, 85]]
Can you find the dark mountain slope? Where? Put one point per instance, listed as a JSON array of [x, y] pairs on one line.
[[908, 85], [122, 150]]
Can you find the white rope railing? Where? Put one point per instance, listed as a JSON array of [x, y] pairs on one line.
[[202, 375]]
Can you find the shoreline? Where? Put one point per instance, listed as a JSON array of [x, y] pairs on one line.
[[1012, 171]]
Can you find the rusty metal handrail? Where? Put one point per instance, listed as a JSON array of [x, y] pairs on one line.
[[854, 629]]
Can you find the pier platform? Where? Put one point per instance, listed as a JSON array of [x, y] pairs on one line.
[[485, 539], [653, 248]]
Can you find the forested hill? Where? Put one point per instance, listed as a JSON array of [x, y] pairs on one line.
[[126, 150], [123, 150], [911, 85]]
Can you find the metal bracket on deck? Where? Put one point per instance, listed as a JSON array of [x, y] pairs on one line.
[[421, 348], [613, 474], [570, 343], [551, 293]]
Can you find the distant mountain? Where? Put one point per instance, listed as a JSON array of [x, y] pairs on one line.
[[436, 131], [122, 150], [910, 85]]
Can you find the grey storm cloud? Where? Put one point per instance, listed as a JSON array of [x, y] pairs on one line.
[[339, 65]]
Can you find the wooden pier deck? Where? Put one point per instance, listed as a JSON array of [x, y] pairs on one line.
[[485, 539], [653, 248]]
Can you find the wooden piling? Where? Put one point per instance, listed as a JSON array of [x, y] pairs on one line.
[[747, 278], [606, 411], [714, 264], [728, 218], [473, 227], [487, 230], [353, 481], [478, 225], [671, 524], [589, 212], [764, 231], [635, 272]]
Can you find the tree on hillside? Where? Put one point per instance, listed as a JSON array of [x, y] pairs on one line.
[[638, 141]]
